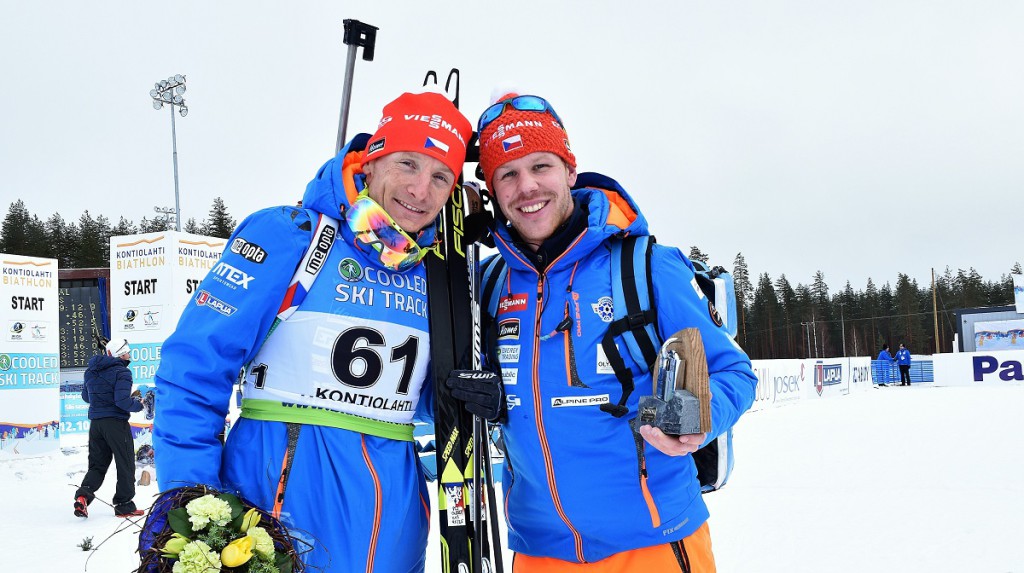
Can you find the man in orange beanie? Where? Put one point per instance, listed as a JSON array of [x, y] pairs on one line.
[[326, 307], [589, 489]]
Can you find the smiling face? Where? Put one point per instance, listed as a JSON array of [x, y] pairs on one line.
[[411, 187], [533, 192]]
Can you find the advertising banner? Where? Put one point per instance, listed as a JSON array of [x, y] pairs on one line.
[[152, 277], [999, 335], [29, 356], [779, 382], [998, 368], [74, 412]]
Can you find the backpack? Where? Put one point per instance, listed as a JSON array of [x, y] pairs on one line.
[[635, 323]]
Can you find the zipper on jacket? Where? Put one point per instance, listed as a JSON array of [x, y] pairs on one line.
[[652, 508], [538, 408]]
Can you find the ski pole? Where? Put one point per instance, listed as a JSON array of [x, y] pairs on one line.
[[356, 34]]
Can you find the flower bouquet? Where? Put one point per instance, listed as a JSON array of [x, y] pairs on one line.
[[199, 530]]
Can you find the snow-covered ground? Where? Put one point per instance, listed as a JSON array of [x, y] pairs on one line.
[[917, 479]]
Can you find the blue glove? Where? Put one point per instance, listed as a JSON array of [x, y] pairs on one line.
[[481, 391]]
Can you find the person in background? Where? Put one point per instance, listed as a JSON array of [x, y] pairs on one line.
[[588, 488], [903, 360], [886, 360], [108, 390]]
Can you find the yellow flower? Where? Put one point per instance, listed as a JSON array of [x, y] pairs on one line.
[[237, 552], [251, 519], [175, 544]]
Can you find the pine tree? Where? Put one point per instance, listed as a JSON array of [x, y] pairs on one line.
[[697, 255], [63, 240], [155, 226], [744, 292], [94, 242], [192, 227], [123, 228], [19, 233], [219, 223]]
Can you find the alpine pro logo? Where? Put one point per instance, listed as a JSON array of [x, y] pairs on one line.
[[318, 255], [512, 303], [826, 375], [508, 329], [248, 251], [208, 300], [567, 401]]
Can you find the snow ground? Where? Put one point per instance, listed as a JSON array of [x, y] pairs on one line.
[[892, 480]]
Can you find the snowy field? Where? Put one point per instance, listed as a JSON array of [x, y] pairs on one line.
[[896, 479]]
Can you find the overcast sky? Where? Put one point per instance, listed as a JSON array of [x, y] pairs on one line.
[[862, 139]]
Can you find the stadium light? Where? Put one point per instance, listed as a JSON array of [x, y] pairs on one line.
[[169, 92]]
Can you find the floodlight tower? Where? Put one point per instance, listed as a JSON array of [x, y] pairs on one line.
[[169, 92]]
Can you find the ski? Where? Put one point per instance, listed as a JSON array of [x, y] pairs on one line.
[[455, 344]]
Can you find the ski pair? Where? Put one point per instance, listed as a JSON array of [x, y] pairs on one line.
[[455, 340]]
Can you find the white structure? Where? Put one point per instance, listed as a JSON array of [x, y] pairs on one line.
[[29, 356]]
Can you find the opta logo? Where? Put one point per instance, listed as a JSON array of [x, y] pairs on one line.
[[350, 269], [508, 329], [319, 254], [17, 327], [826, 375], [512, 303], [249, 251], [130, 315]]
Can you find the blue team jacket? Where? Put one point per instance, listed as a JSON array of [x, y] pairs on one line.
[[580, 485], [903, 357]]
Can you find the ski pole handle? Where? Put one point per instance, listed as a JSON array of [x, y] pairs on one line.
[[357, 34]]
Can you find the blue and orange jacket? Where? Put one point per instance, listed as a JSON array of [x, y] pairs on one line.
[[580, 484]]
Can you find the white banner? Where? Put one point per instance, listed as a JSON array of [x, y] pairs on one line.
[[152, 277], [979, 368], [29, 356], [999, 335]]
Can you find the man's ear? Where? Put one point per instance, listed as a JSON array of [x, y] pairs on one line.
[[571, 175], [368, 169]]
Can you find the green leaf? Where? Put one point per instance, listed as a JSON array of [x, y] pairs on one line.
[[236, 505], [284, 562], [178, 520]]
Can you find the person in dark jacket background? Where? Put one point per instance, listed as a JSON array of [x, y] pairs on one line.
[[108, 390], [903, 360]]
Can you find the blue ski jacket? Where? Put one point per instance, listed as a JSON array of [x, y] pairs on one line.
[[347, 371], [108, 388], [580, 484], [903, 357], [884, 355]]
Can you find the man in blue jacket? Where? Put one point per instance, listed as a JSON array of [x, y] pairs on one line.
[[588, 490], [325, 306], [903, 361], [108, 390], [885, 362]]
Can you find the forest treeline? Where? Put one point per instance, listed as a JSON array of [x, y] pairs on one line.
[[778, 319]]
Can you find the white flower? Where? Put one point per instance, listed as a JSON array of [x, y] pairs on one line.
[[203, 510], [264, 546], [196, 557]]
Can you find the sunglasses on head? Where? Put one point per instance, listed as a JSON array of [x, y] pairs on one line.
[[522, 103]]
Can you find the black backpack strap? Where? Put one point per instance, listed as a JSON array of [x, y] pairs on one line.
[[635, 319]]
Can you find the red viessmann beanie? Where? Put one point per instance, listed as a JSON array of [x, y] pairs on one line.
[[516, 134], [426, 123]]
